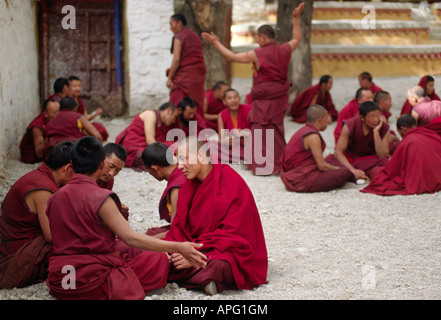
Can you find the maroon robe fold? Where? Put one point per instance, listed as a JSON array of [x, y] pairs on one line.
[[300, 105], [19, 230], [221, 213], [299, 169], [99, 126], [349, 111], [82, 241], [214, 106], [413, 169], [27, 146], [189, 79]]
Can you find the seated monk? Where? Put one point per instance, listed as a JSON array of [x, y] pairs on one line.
[[384, 101], [216, 207], [189, 121], [26, 241], [424, 110], [158, 165], [352, 109], [214, 104], [414, 167], [146, 128], [75, 88], [304, 168], [428, 84], [318, 94], [68, 125], [233, 123], [363, 145], [365, 81], [84, 220], [32, 143], [61, 89]]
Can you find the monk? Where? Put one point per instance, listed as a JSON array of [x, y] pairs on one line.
[[26, 241], [161, 168], [424, 110], [384, 101], [214, 104], [352, 109], [363, 145], [317, 94], [61, 89], [75, 88], [186, 75], [68, 125], [216, 207], [414, 168], [189, 121], [146, 128], [234, 128], [304, 168], [32, 143], [270, 93], [365, 81], [428, 84], [84, 221]]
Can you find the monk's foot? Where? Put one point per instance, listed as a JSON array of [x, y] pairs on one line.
[[211, 288]]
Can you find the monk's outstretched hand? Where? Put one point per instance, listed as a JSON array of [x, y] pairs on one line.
[[209, 37], [195, 258], [297, 11]]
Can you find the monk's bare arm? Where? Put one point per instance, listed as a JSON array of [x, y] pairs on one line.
[[177, 49], [149, 119], [37, 201], [314, 100], [241, 57], [314, 143], [381, 145], [340, 148], [112, 218], [174, 201], [296, 31], [89, 129], [38, 141]]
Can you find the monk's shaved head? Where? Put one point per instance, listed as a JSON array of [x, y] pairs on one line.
[[266, 30], [406, 121], [417, 91], [315, 112]]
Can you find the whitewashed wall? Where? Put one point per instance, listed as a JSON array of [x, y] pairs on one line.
[[19, 95], [148, 44]]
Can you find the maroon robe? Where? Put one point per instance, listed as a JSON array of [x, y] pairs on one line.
[[270, 100], [214, 106], [413, 169], [99, 126], [374, 88], [27, 146], [187, 129], [299, 169], [427, 110], [349, 111], [407, 107], [189, 79], [221, 213], [302, 102], [23, 251], [81, 240]]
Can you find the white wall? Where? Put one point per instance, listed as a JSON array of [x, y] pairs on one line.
[[148, 44], [19, 95]]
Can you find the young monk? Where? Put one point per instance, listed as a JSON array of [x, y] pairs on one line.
[[365, 81], [304, 168], [319, 94], [161, 168], [270, 96], [146, 128], [84, 220], [384, 101], [363, 145], [75, 88], [214, 104], [26, 241], [32, 143], [428, 84], [216, 207], [424, 110], [186, 75], [61, 89], [352, 109], [415, 166]]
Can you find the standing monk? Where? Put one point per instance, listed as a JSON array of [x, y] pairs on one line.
[[270, 93], [186, 76]]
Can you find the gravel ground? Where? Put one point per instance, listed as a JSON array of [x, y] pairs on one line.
[[335, 245]]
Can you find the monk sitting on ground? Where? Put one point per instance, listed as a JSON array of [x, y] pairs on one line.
[[216, 207], [428, 84], [26, 241], [365, 81], [214, 104], [146, 128], [32, 143], [424, 110], [189, 121], [414, 167], [304, 168], [384, 101], [318, 94], [161, 168], [61, 89], [84, 220], [363, 145]]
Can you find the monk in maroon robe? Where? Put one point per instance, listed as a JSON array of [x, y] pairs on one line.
[[186, 76], [190, 122], [365, 81], [303, 166], [414, 167], [270, 96], [428, 84], [384, 101], [84, 220], [318, 94], [216, 208], [351, 109], [32, 143], [26, 241], [363, 145], [61, 89], [214, 104], [424, 110], [147, 127]]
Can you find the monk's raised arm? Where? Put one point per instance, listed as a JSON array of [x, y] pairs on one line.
[[241, 57], [296, 31]]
